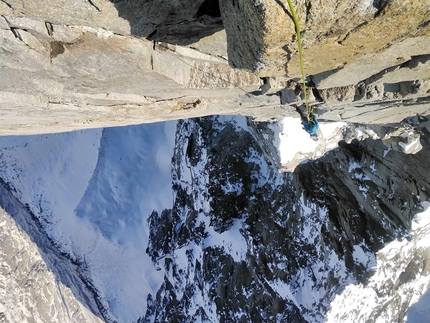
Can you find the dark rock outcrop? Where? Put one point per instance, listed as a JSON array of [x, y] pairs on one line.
[[295, 225]]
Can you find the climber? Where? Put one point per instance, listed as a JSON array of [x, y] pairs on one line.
[[309, 122]]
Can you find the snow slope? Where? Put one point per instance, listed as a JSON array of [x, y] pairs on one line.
[[94, 190], [295, 145]]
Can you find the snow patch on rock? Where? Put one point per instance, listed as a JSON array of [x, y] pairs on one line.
[[295, 145], [398, 279]]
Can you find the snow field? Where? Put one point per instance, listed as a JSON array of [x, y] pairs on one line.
[[94, 190], [293, 142]]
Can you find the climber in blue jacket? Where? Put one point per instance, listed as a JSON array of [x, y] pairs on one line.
[[310, 124]]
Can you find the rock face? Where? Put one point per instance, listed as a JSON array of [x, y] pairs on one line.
[[141, 18], [261, 34], [38, 283], [79, 65], [71, 77], [346, 205], [221, 232], [393, 280]]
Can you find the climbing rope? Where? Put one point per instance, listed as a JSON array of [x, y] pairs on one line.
[[309, 109]]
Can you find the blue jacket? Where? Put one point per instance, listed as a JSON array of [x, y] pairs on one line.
[[311, 127]]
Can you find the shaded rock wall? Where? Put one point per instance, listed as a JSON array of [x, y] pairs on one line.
[[38, 283], [302, 229], [143, 18]]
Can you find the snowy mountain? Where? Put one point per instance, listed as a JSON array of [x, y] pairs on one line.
[[220, 219]]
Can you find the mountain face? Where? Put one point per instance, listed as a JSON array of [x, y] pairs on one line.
[[221, 218], [193, 221], [362, 36], [84, 64]]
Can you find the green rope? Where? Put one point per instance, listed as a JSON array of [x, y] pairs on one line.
[[309, 110]]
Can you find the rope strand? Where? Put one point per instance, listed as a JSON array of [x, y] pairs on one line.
[[309, 110]]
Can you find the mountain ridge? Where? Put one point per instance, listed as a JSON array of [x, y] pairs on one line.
[[242, 240]]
